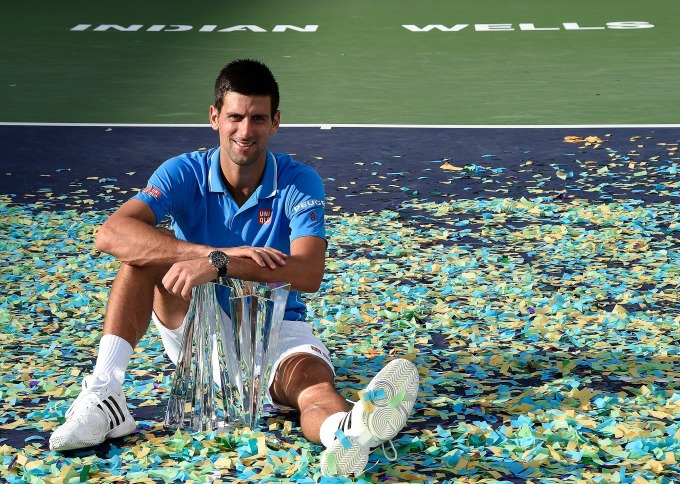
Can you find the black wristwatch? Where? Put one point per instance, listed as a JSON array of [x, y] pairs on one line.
[[219, 261]]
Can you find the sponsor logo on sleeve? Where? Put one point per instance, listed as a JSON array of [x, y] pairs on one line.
[[152, 191], [307, 204]]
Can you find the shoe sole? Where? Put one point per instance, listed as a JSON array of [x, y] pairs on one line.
[[338, 460], [388, 417], [126, 428]]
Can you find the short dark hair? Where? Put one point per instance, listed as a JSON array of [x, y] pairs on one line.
[[248, 77]]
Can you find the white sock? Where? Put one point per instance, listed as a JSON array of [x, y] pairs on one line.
[[113, 359], [329, 427]]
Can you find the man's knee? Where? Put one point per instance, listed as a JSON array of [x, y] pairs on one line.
[[297, 373], [134, 282], [141, 274], [305, 367]]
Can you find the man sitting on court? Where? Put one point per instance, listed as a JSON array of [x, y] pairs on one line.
[[242, 211]]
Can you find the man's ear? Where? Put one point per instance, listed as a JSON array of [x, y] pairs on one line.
[[214, 116], [276, 120]]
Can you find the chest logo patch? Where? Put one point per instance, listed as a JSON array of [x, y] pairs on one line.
[[264, 217]]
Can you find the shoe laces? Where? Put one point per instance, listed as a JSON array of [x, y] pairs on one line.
[[89, 391], [395, 454]]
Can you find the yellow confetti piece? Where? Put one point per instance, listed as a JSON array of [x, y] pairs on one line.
[[16, 424], [367, 404], [223, 463], [447, 166]]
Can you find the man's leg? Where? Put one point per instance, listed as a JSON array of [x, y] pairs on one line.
[[100, 410], [135, 292], [131, 300], [305, 381]]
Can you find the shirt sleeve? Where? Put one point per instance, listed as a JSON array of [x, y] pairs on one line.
[[306, 207], [164, 189]]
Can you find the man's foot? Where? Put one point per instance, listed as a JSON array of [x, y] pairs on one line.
[[377, 417], [99, 413]]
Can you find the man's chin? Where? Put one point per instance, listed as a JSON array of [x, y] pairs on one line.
[[242, 160]]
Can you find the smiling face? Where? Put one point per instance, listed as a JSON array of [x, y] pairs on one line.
[[244, 124]]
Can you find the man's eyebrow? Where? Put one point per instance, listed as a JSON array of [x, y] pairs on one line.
[[241, 115]]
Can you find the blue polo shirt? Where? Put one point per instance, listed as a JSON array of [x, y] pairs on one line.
[[289, 203]]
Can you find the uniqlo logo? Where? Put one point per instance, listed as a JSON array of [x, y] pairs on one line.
[[154, 192], [264, 217]]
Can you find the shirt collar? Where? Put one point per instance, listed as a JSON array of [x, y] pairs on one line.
[[215, 182], [267, 187]]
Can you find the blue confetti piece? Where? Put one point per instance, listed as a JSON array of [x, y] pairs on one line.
[[34, 438], [343, 439], [374, 395]]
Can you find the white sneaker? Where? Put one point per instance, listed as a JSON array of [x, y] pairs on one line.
[[97, 414], [380, 415]]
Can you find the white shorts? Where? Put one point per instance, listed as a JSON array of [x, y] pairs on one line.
[[295, 337]]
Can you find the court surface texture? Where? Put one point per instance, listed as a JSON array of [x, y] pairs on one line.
[[502, 209]]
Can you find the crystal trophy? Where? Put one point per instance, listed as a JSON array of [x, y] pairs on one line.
[[225, 362]]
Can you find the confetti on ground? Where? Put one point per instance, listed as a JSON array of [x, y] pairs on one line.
[[545, 329]]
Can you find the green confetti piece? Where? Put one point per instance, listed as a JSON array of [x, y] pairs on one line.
[[396, 400], [84, 473], [332, 464]]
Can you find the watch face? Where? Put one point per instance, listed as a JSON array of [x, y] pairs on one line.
[[218, 259]]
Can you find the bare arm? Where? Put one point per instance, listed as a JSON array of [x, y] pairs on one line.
[[130, 236], [303, 269]]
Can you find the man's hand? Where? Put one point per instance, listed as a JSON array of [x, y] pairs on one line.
[[183, 276], [263, 256]]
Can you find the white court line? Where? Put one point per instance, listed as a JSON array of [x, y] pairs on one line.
[[331, 126]]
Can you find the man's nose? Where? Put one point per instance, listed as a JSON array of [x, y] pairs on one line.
[[245, 128]]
